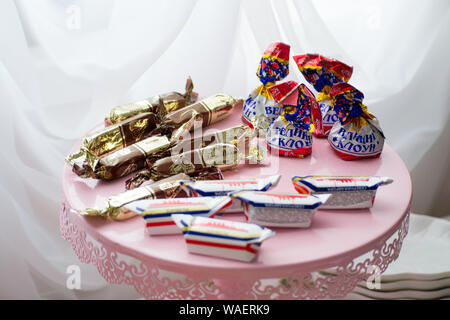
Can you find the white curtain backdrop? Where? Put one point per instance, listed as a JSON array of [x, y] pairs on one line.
[[65, 63]]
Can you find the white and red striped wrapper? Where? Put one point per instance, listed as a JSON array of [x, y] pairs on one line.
[[204, 188], [222, 238], [280, 209], [347, 192], [157, 212]]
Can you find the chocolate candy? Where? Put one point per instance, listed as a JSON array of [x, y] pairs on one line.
[[225, 187], [260, 109], [235, 135], [206, 111], [158, 213], [102, 142], [221, 155], [224, 156], [290, 134], [279, 209], [357, 134], [222, 238], [160, 105], [323, 73], [123, 161], [163, 189], [209, 173], [346, 192]]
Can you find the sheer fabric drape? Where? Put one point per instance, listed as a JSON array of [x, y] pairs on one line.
[[65, 63]]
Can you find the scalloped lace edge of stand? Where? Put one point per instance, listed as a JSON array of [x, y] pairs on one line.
[[154, 283]]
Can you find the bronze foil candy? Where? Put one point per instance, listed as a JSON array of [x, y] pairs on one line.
[[161, 105], [166, 188], [102, 142], [221, 155], [208, 111], [121, 162], [208, 173], [234, 135]]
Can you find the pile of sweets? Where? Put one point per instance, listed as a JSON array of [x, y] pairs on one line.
[[188, 190], [287, 114], [137, 134], [154, 134]]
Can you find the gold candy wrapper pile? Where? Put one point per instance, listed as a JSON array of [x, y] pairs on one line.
[[154, 134]]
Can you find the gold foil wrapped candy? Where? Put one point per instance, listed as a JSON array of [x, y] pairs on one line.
[[221, 155], [163, 189], [234, 135], [121, 162], [160, 105], [206, 111], [107, 140]]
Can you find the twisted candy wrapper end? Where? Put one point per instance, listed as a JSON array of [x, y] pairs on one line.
[[347, 103], [274, 64], [82, 163], [260, 109], [190, 95], [323, 72]]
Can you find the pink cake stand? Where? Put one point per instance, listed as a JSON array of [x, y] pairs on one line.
[[327, 260]]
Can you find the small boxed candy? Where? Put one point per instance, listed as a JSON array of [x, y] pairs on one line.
[[157, 212], [224, 187], [260, 109], [280, 209], [323, 73], [222, 238], [357, 134], [290, 134], [345, 192]]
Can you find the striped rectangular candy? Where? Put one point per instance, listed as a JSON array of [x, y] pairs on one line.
[[222, 238], [280, 209], [157, 212], [224, 187], [347, 192]]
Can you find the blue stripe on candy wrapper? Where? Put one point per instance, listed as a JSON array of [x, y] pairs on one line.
[[225, 193], [204, 234], [330, 189], [160, 215], [279, 205]]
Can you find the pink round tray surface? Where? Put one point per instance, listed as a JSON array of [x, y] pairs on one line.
[[335, 235]]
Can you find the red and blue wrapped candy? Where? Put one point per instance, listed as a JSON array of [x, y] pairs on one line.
[[260, 109], [290, 134], [323, 73], [357, 133]]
